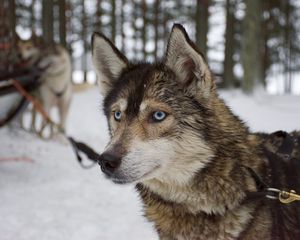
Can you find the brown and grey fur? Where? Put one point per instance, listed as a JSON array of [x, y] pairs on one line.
[[190, 167], [56, 87]]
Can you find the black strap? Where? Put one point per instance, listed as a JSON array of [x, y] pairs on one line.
[[262, 187], [89, 152], [258, 181]]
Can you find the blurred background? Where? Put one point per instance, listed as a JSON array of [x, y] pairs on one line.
[[252, 47], [248, 43]]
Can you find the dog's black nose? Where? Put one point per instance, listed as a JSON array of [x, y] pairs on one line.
[[109, 162]]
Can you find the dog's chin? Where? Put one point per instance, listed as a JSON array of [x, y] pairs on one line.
[[123, 179]]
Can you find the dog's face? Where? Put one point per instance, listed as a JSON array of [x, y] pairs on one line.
[[31, 47], [156, 112], [27, 49]]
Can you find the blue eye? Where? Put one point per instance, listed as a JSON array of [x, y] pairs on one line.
[[158, 116], [118, 115]]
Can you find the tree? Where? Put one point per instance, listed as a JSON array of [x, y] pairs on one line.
[[228, 75], [98, 15], [32, 16], [84, 40], [287, 45], [202, 25], [8, 37], [281, 45], [113, 21], [12, 20], [122, 21], [62, 22], [145, 23], [47, 21], [156, 27], [251, 46], [135, 16]]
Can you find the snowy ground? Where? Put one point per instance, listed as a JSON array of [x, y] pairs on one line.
[[49, 196]]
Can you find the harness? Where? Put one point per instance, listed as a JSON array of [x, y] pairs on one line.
[[282, 175], [283, 155]]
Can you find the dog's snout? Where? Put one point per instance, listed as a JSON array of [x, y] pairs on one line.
[[109, 162]]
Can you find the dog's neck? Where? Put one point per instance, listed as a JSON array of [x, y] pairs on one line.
[[223, 183], [207, 192]]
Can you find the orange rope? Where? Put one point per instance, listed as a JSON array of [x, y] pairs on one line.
[[16, 159], [37, 105]]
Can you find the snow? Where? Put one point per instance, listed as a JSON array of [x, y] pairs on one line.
[[265, 113], [47, 195]]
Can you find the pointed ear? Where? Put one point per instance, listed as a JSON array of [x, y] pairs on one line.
[[108, 61], [188, 64]]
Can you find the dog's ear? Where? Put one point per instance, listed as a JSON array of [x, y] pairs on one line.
[[108, 61], [188, 64]]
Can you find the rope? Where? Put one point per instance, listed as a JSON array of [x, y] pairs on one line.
[[89, 152], [37, 105], [16, 159]]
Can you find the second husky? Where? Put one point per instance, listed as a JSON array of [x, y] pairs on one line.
[[56, 87]]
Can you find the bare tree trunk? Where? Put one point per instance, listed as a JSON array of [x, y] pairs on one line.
[[12, 19], [202, 25], [145, 23], [47, 21], [62, 22], [165, 23], [228, 76], [265, 37], [122, 20], [32, 16], [156, 26], [135, 14], [287, 42], [8, 36], [251, 46], [85, 45], [113, 21], [69, 14], [98, 15]]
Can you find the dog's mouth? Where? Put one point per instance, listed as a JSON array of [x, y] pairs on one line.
[[124, 179]]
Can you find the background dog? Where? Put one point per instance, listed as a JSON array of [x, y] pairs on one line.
[[188, 153], [56, 87]]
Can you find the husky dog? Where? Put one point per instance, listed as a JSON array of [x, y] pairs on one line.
[[187, 152], [56, 87]]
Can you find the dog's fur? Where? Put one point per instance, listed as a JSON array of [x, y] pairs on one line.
[[190, 167], [56, 87]]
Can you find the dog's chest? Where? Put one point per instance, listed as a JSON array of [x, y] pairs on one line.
[[175, 221]]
